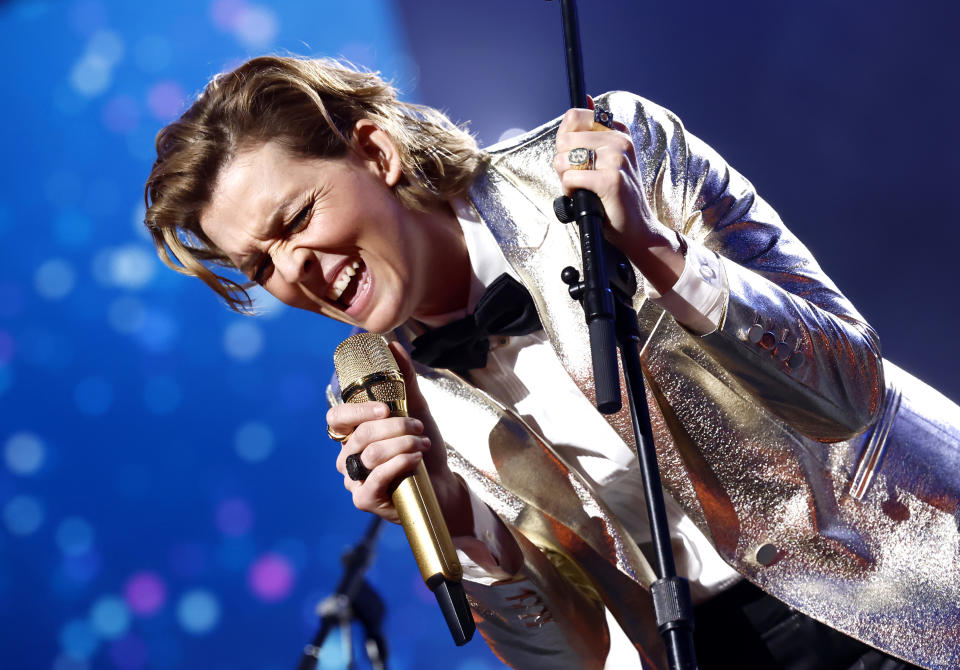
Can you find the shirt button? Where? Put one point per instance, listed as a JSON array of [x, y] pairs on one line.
[[707, 272], [796, 360], [755, 333]]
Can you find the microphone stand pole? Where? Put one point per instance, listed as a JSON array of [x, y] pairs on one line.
[[597, 298], [354, 599], [608, 308]]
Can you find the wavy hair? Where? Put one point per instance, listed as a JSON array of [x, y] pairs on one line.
[[310, 107]]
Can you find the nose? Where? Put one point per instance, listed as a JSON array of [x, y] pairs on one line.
[[295, 265]]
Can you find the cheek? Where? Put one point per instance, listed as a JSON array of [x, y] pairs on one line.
[[286, 294]]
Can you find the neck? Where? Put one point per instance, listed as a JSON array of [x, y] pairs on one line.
[[447, 284]]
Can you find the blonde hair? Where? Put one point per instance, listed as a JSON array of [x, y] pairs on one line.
[[309, 107]]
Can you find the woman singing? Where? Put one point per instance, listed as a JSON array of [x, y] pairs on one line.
[[783, 437]]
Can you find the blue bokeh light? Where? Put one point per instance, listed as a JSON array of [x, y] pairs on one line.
[[159, 331], [126, 315], [254, 441], [107, 45], [54, 279], [74, 536], [198, 611], [243, 340], [78, 639], [23, 515], [110, 617], [24, 453]]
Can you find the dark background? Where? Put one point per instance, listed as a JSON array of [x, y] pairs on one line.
[[843, 115], [167, 493]]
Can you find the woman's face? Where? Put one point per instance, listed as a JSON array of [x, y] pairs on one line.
[[328, 235]]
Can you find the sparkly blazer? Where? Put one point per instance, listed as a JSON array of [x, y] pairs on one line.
[[821, 473]]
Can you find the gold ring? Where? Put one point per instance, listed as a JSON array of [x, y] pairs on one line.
[[334, 435], [581, 159]]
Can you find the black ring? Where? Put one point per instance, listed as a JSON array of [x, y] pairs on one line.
[[356, 470]]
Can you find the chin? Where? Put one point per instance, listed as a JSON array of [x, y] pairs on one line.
[[385, 310], [381, 325]]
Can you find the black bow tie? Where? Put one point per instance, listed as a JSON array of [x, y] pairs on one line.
[[506, 308]]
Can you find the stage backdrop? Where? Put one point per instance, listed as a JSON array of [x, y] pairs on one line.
[[168, 497]]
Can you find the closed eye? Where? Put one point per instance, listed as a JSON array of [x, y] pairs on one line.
[[261, 274], [295, 226], [299, 221]]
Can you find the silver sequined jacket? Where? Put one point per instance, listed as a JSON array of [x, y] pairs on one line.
[[824, 475]]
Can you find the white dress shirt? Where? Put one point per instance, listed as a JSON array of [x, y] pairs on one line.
[[525, 374]]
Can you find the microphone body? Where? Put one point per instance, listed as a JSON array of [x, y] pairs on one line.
[[366, 370]]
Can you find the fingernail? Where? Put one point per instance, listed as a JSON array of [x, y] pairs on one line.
[[381, 411]]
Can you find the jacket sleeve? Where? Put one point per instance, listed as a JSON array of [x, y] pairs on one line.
[[536, 617], [546, 611], [787, 334]]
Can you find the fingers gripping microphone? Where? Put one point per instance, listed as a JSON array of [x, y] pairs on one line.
[[366, 371]]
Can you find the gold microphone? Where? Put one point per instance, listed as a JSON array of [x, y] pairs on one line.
[[366, 370]]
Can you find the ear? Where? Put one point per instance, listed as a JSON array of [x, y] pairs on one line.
[[377, 147]]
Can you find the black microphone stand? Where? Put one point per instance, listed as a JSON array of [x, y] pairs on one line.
[[606, 294], [354, 599]]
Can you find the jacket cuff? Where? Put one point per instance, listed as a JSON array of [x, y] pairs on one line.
[[699, 298], [480, 554]]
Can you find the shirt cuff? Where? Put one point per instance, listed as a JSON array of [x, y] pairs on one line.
[[480, 553], [698, 299]]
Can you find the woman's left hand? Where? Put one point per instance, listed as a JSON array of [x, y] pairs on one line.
[[616, 178]]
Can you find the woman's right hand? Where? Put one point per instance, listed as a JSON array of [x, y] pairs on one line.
[[392, 447]]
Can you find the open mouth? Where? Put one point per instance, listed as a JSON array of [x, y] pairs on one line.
[[352, 278]]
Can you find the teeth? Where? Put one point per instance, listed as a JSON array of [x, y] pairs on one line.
[[343, 280]]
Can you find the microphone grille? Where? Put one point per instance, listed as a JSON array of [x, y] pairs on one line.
[[362, 355]]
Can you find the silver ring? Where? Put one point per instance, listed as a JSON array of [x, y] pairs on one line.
[[582, 159], [356, 470]]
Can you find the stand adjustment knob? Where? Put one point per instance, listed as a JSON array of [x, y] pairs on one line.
[[571, 277], [563, 208]]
